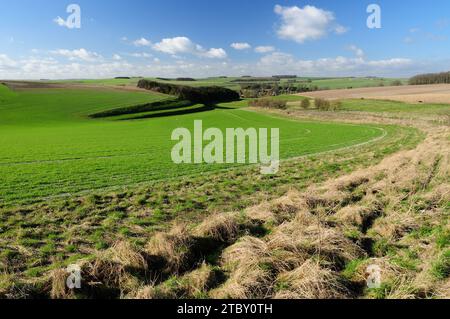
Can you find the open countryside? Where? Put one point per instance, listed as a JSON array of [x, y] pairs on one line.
[[94, 206]]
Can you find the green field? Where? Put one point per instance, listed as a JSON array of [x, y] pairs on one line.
[[395, 107], [49, 145]]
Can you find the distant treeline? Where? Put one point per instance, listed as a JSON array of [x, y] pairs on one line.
[[251, 79], [431, 78], [178, 79], [204, 95], [284, 76]]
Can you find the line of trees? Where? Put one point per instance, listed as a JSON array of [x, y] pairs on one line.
[[256, 90], [430, 78], [207, 95]]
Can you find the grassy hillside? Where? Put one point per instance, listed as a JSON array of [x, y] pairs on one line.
[[50, 147], [45, 237]]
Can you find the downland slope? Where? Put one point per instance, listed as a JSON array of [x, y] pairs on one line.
[[386, 205], [52, 148]]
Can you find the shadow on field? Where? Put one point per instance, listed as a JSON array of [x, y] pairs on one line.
[[182, 111]]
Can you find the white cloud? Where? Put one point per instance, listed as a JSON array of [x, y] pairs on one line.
[[308, 23], [142, 42], [339, 29], [215, 54], [36, 67], [241, 46], [175, 45], [61, 22], [141, 55], [184, 45], [338, 66], [264, 49], [358, 52], [79, 54], [117, 57]]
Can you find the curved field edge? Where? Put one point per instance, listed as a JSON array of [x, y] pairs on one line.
[[36, 239]]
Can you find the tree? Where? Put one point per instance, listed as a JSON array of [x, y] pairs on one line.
[[305, 104]]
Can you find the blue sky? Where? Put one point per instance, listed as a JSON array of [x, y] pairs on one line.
[[233, 37]]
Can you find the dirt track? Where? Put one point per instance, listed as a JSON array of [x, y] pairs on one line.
[[439, 93]]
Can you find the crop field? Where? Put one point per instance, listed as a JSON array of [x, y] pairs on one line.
[[50, 147], [87, 179], [416, 94], [204, 158]]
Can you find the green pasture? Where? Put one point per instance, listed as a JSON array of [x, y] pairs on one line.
[[49, 146]]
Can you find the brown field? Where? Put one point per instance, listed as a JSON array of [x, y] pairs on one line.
[[28, 85], [438, 93]]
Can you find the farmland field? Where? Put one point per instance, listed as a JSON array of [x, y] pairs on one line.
[[50, 147], [233, 82], [437, 93], [187, 151], [83, 189]]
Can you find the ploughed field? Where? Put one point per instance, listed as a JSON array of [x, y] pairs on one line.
[[49, 146], [435, 93]]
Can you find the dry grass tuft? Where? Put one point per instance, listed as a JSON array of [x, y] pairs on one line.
[[125, 254], [104, 272], [221, 227], [351, 182], [311, 281], [261, 213], [145, 293], [443, 292], [395, 226], [361, 215], [174, 246], [59, 288], [307, 235], [250, 277], [245, 251], [199, 281], [284, 208]]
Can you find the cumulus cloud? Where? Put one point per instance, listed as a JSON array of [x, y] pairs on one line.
[[241, 46], [358, 52], [175, 45], [142, 42], [79, 54], [307, 23], [337, 66], [117, 57], [215, 53], [184, 45], [264, 49]]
